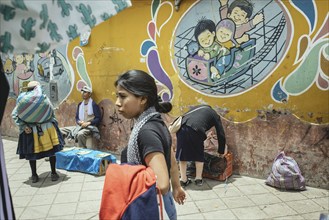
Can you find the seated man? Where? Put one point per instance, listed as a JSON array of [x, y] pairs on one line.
[[88, 117]]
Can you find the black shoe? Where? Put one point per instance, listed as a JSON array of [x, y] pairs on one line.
[[54, 177], [184, 184], [35, 178], [198, 182]]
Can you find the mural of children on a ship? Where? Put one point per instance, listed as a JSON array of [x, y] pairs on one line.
[[232, 48]]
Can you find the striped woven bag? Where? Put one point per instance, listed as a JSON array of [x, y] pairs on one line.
[[34, 106]]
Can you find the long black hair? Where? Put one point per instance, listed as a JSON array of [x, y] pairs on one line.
[[142, 84]]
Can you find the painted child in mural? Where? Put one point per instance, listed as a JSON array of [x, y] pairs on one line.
[[29, 62], [21, 73], [205, 33], [240, 11], [225, 31]]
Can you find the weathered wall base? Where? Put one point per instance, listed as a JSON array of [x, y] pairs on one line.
[[254, 144]]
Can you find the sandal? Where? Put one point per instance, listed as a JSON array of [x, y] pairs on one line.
[[184, 184], [198, 182]]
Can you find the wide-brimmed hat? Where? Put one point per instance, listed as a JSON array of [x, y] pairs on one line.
[[32, 84], [86, 89]]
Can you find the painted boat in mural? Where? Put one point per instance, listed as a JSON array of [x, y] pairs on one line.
[[233, 65]]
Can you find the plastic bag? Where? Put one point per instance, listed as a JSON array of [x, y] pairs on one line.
[[286, 174], [175, 125]]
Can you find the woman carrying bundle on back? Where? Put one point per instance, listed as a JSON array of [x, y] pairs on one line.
[[39, 135]]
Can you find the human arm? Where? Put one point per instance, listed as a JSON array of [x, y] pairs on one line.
[[178, 192], [223, 8], [97, 114], [77, 119], [220, 135], [157, 162], [242, 39], [223, 2], [23, 126]]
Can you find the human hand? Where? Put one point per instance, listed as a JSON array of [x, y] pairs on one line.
[[179, 195], [223, 2], [245, 38], [27, 130], [85, 124], [200, 53], [206, 56], [225, 152], [257, 19]]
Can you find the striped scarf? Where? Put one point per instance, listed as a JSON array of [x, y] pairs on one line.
[[133, 154]]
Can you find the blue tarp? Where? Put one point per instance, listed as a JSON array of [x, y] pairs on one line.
[[82, 159]]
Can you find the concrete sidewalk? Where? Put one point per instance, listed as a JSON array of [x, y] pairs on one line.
[[77, 196]]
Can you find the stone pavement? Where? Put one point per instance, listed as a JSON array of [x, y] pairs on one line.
[[77, 196]]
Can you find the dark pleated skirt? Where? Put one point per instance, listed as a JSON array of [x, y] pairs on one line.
[[189, 145], [25, 148]]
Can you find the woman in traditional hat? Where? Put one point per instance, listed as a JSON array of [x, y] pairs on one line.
[[39, 133]]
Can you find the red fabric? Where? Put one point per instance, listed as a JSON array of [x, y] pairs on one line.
[[123, 184]]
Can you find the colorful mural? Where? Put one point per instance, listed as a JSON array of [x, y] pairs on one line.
[[223, 49], [245, 61], [245, 47], [51, 69]]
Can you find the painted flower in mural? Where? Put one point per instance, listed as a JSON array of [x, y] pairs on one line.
[[198, 70], [242, 55]]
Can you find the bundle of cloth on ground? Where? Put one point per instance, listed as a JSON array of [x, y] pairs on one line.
[[72, 135], [83, 160]]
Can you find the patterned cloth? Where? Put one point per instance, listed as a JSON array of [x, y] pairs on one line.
[[34, 106], [45, 137], [39, 26]]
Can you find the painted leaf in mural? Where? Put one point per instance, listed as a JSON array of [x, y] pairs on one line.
[[155, 5], [308, 11], [278, 94], [146, 46], [159, 73], [32, 27], [305, 75]]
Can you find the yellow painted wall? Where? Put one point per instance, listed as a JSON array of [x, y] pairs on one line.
[[114, 47]]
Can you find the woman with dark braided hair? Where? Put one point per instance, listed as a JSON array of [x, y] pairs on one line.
[[150, 141]]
